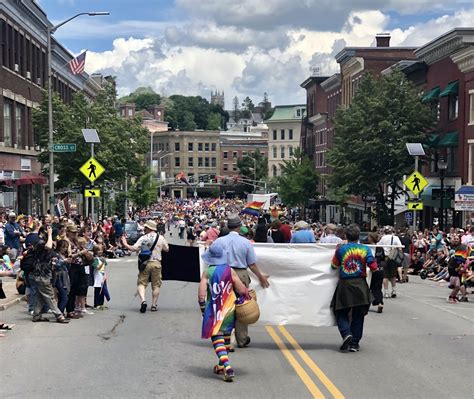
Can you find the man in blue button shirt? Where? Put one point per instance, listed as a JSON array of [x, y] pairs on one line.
[[302, 234], [240, 257]]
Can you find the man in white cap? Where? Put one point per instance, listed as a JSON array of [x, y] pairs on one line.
[[152, 270]]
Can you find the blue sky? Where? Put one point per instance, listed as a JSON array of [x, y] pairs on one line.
[[245, 47]]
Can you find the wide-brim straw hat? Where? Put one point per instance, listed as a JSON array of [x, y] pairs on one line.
[[151, 225]]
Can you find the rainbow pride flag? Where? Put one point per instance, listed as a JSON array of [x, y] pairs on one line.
[[252, 208]]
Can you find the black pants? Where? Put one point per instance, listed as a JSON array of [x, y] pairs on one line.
[[99, 295], [376, 287]]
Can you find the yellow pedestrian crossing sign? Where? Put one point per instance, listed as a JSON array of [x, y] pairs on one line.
[[415, 206], [92, 169], [416, 183], [92, 192]]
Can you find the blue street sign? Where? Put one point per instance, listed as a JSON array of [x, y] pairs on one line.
[[409, 217]]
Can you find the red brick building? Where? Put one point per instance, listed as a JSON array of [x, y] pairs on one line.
[[23, 76], [449, 87]]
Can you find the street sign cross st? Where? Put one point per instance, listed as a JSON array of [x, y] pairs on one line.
[[64, 147], [415, 206]]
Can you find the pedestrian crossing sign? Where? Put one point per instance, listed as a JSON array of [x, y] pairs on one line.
[[92, 192], [415, 206], [92, 169], [416, 182]]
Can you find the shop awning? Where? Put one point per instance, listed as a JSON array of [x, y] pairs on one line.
[[450, 139], [426, 197], [450, 89], [25, 180], [433, 139], [465, 190], [432, 95]]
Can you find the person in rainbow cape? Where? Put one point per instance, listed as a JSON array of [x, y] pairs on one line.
[[217, 302]]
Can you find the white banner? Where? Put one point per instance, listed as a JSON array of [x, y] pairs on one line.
[[302, 284]]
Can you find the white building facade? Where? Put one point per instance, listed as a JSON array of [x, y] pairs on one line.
[[284, 131]]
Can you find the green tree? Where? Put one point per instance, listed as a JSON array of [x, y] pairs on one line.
[[247, 164], [267, 107], [369, 150], [298, 181], [123, 142], [235, 109], [214, 121], [143, 97], [247, 108], [144, 191]]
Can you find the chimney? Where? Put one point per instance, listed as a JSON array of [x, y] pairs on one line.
[[383, 39]]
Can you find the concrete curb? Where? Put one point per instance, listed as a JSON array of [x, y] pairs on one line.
[[9, 304]]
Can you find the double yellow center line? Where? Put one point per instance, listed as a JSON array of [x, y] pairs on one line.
[[307, 380]]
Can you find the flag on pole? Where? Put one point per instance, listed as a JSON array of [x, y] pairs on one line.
[[76, 65], [181, 176], [253, 208]]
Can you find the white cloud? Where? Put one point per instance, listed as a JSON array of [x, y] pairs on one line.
[[246, 60]]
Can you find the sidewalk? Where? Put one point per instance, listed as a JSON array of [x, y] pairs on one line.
[[9, 286]]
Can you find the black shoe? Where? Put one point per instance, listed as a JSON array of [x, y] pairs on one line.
[[346, 342], [463, 299], [143, 307], [245, 344], [354, 348]]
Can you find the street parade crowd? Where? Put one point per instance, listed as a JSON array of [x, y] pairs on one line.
[[58, 260]]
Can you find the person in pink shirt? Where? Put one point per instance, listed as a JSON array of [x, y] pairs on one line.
[[212, 233]]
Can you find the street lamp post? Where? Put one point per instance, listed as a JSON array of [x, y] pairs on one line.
[[159, 169], [442, 166], [49, 31]]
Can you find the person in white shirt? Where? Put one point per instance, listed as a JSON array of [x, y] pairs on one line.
[[330, 236], [390, 270], [468, 239], [152, 271]]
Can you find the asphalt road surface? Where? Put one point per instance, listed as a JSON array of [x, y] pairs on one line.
[[420, 347]]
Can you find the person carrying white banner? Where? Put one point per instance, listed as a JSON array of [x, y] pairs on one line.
[[240, 257], [352, 292]]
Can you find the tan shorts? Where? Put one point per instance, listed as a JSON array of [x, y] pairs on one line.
[[151, 273]]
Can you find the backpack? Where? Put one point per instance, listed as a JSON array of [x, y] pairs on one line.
[[396, 255], [27, 263]]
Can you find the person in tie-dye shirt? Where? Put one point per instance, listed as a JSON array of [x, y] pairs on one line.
[[217, 302], [352, 293]]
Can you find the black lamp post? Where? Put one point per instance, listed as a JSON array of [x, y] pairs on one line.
[[442, 166]]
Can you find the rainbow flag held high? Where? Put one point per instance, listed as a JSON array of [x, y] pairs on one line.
[[252, 208]]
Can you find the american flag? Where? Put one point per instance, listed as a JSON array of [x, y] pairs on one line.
[[77, 64]]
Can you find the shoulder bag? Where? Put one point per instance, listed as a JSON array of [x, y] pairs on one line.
[[145, 255]]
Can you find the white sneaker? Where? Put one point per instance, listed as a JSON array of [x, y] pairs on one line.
[[386, 295], [85, 311]]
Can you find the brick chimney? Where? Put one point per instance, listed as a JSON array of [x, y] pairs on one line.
[[383, 39]]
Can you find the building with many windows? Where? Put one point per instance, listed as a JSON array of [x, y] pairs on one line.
[[23, 76], [444, 73], [196, 154], [238, 145], [284, 130]]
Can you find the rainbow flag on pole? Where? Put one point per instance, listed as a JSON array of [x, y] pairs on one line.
[[253, 208]]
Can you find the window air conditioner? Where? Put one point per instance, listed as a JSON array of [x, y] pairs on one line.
[[17, 68], [28, 75], [38, 81]]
